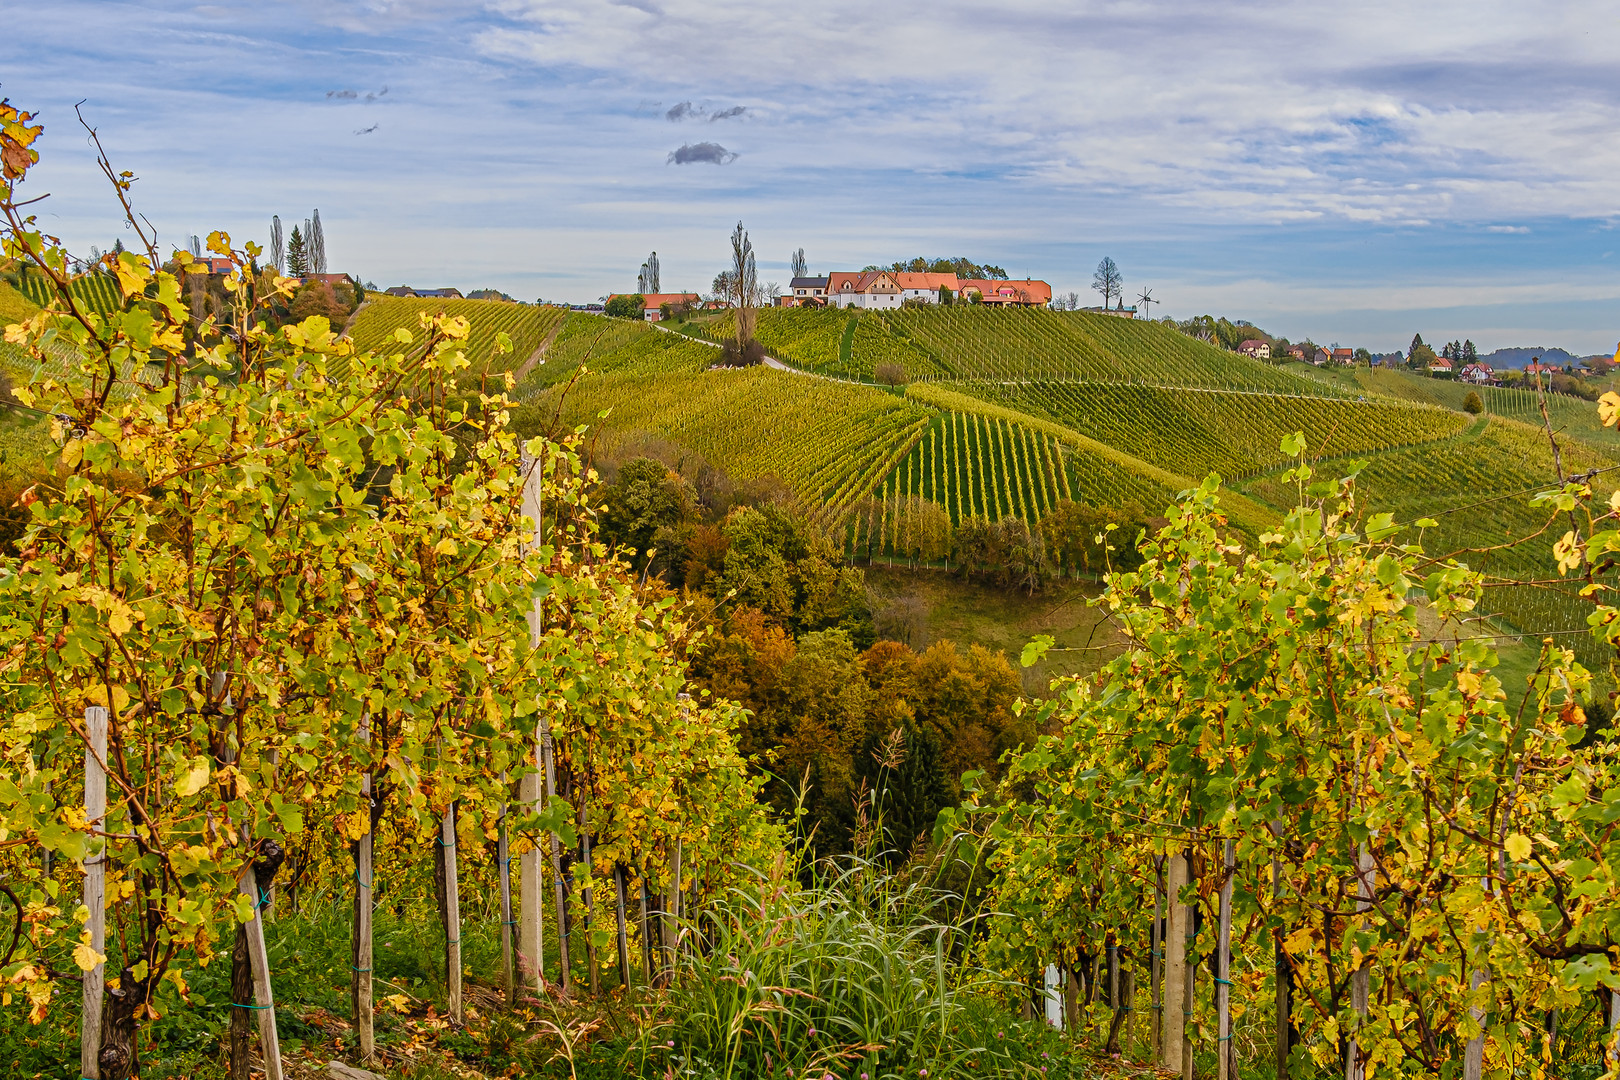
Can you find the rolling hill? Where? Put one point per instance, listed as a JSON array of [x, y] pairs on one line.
[[1006, 414]]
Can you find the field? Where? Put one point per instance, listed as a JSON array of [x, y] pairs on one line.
[[97, 291], [528, 326], [1197, 432], [1477, 487], [969, 342], [830, 442], [603, 346]]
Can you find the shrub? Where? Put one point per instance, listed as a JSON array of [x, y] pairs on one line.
[[627, 306], [890, 373], [1473, 404], [749, 355]]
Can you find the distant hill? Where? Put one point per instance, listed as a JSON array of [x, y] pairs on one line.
[[1522, 355]]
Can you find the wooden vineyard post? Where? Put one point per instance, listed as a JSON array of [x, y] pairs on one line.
[[364, 868], [264, 1005], [624, 939], [95, 885], [503, 865], [452, 914], [1175, 965], [1354, 1069], [1474, 1053], [241, 991], [646, 934], [1223, 981], [1189, 982], [530, 893], [587, 897], [531, 903], [1284, 979]]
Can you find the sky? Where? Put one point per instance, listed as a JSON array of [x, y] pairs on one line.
[[1355, 173]]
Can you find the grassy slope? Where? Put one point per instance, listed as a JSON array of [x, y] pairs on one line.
[[528, 326]]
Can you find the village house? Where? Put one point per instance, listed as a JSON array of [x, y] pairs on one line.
[[406, 290], [1479, 374], [1296, 352], [652, 304], [1255, 347], [870, 289], [884, 289], [1440, 366], [804, 292], [1344, 356], [925, 287]]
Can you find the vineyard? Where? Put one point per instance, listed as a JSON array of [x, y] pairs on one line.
[[830, 442], [978, 343], [97, 290], [1197, 432], [527, 326], [606, 346], [1477, 487]]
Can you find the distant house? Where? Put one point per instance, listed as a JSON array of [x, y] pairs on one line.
[[925, 287], [1344, 356], [872, 289], [1479, 374], [406, 290], [1320, 357], [1440, 366], [805, 292], [652, 304], [215, 265], [1026, 293], [1260, 350], [1296, 352], [330, 279], [1536, 367]]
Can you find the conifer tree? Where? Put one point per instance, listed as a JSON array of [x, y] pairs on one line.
[[297, 255]]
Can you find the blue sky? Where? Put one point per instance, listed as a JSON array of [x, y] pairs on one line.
[[1354, 172]]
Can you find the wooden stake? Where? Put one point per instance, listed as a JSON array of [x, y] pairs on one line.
[[1173, 1025], [452, 914], [241, 990], [1284, 980], [1223, 981], [530, 892], [587, 898], [263, 1001], [533, 509], [1189, 982], [624, 939], [503, 863], [559, 887], [364, 869], [95, 891], [1354, 1069], [675, 896], [1156, 963]]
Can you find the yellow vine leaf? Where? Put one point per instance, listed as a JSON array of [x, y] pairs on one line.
[[193, 780], [1609, 408], [86, 957], [1518, 847]]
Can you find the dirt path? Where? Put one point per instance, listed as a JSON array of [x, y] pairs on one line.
[[539, 353]]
